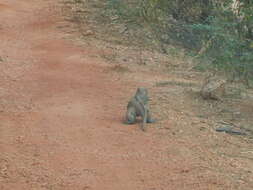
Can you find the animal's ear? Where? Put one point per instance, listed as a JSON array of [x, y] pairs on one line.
[[142, 90], [138, 90]]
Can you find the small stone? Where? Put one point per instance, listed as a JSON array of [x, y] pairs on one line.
[[213, 88], [88, 33], [230, 130]]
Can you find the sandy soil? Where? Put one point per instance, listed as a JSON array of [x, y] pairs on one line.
[[61, 111]]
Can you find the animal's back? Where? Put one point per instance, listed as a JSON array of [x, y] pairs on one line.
[[133, 103]]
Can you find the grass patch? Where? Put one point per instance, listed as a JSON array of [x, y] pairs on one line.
[[175, 83]]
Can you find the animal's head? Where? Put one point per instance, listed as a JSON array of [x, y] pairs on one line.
[[142, 93]]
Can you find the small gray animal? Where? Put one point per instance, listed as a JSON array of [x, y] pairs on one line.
[[138, 106]]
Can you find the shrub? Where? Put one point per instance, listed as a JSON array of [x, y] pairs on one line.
[[210, 29]]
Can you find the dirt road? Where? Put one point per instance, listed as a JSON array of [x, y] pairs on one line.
[[61, 127], [61, 116]]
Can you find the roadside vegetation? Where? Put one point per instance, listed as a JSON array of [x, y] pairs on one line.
[[219, 34], [186, 40]]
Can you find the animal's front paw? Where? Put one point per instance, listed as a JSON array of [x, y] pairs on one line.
[[151, 121]]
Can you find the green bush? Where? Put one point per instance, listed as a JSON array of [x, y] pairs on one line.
[[208, 28], [127, 10], [227, 43]]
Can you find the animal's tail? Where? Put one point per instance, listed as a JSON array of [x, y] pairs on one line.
[[144, 119]]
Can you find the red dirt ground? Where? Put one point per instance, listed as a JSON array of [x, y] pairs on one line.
[[61, 119]]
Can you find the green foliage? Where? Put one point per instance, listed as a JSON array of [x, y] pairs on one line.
[[225, 41], [127, 10], [209, 29]]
